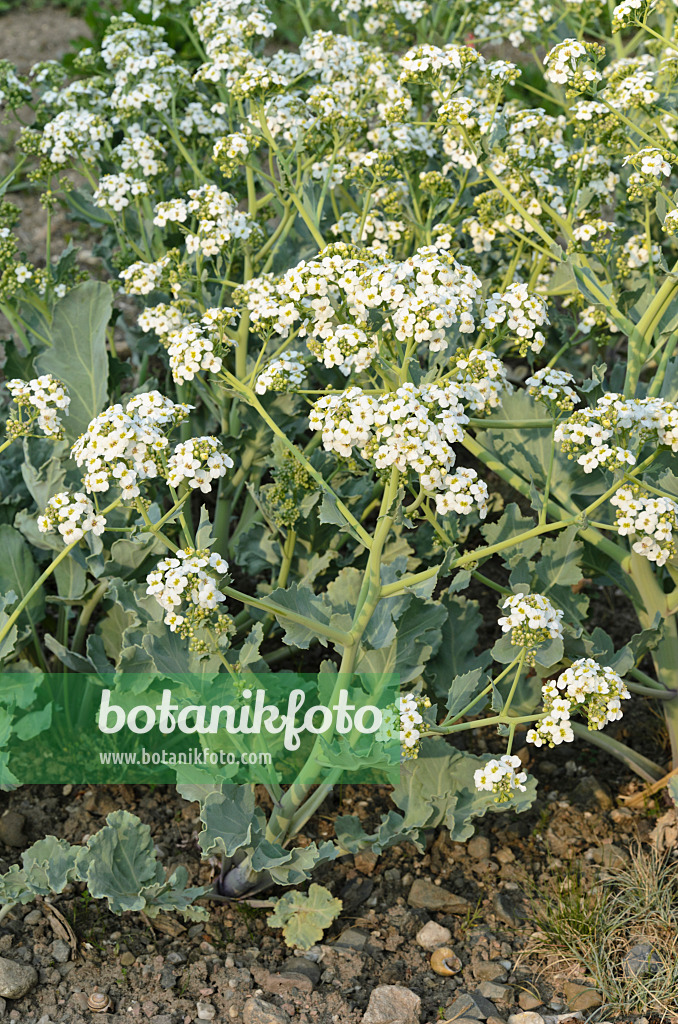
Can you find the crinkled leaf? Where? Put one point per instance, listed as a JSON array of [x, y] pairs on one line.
[[228, 818], [50, 864], [463, 690], [78, 353], [305, 917], [119, 861], [174, 896], [302, 601], [18, 573]]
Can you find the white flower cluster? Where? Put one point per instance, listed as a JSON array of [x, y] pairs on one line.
[[570, 63], [140, 278], [522, 312], [486, 376], [284, 374], [627, 423], [114, 191], [413, 428], [219, 221], [44, 399], [162, 319], [502, 777], [72, 134], [73, 515], [185, 588], [198, 462], [532, 620], [630, 12], [652, 518], [193, 347], [587, 688], [553, 387], [124, 446], [334, 296], [649, 161], [401, 721]]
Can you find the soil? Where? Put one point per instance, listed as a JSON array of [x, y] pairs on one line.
[[159, 971]]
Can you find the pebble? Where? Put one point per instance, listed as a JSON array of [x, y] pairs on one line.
[[497, 993], [206, 1011], [467, 1005], [12, 828], [527, 1017], [352, 938], [506, 910], [257, 1011], [581, 997], [641, 960], [392, 1004], [127, 959], [16, 979], [366, 861], [479, 847], [433, 935], [592, 795], [529, 1001], [60, 951], [33, 917], [489, 970], [432, 897], [610, 856]]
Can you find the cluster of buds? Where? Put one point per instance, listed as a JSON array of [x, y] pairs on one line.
[[38, 402], [553, 387], [652, 518], [587, 688], [502, 777], [72, 515], [531, 621], [282, 374], [403, 721], [185, 588]]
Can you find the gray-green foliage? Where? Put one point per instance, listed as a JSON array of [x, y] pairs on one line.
[[117, 863]]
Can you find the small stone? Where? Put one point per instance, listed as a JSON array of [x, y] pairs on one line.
[[12, 828], [641, 960], [16, 979], [592, 795], [127, 959], [33, 917], [506, 910], [352, 938], [392, 1004], [489, 970], [257, 1011], [206, 1011], [610, 856], [432, 897], [464, 1006], [581, 997], [479, 848], [528, 1017], [365, 861], [529, 1001], [433, 935], [167, 978], [497, 993], [61, 951]]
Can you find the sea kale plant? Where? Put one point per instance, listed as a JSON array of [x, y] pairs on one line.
[[390, 386]]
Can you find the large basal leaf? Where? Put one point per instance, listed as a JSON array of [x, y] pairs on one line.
[[228, 818], [175, 896], [18, 573], [455, 656], [304, 917], [49, 865], [351, 836], [119, 861], [78, 353]]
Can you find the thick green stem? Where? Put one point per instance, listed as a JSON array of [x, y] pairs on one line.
[[665, 654]]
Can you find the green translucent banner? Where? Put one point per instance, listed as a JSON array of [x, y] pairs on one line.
[[228, 727]]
